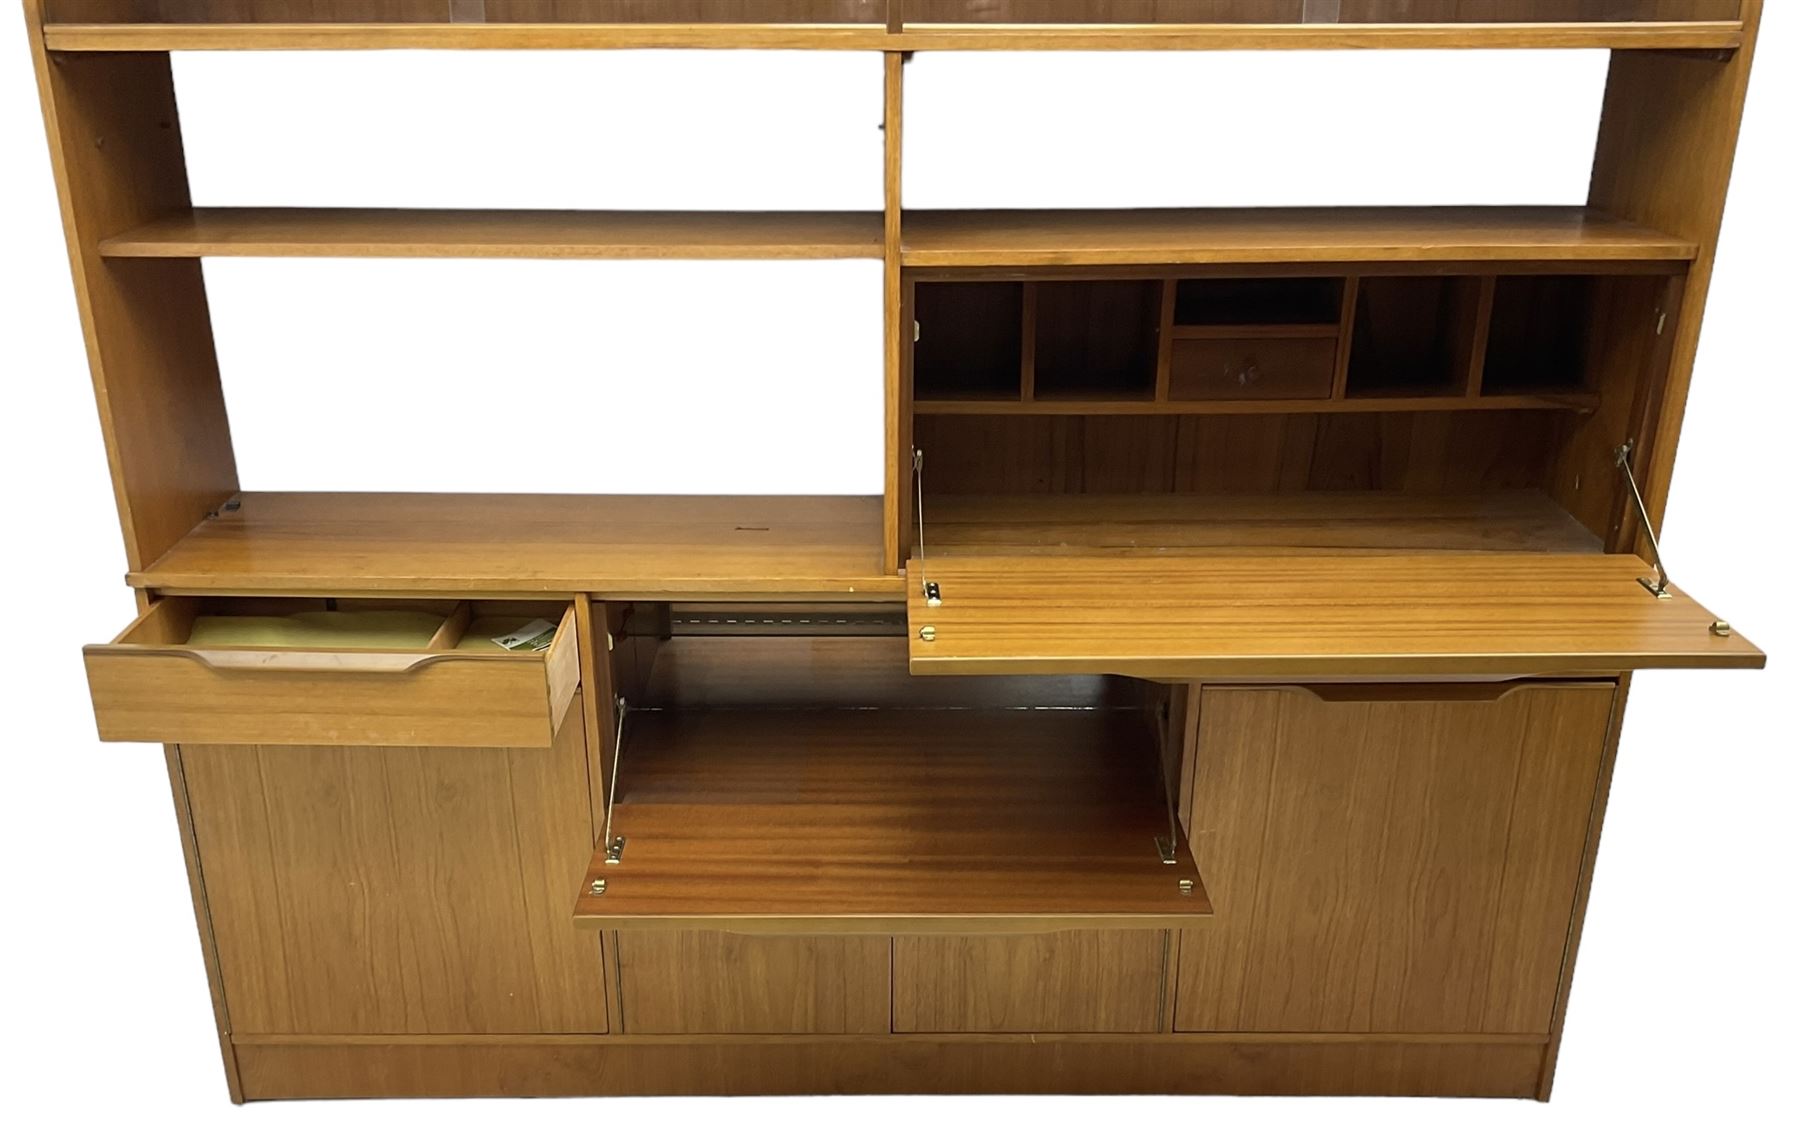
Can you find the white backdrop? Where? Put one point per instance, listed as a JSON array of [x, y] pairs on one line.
[[1685, 998]]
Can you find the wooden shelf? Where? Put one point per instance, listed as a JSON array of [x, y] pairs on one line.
[[1310, 618], [1119, 407], [927, 820], [1344, 522], [374, 36], [344, 233], [645, 547], [1336, 235], [1710, 35]]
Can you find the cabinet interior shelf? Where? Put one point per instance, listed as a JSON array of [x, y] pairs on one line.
[[1344, 522], [920, 820], [1106, 406]]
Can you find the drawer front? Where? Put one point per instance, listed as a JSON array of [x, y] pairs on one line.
[[1384, 859], [147, 686], [1251, 369], [1053, 982], [717, 982]]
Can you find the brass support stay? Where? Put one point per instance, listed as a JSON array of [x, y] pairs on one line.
[[615, 847], [1659, 587], [933, 597]]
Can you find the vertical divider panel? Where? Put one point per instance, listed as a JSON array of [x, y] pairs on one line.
[[1165, 338], [897, 432], [1668, 134], [1340, 376], [1028, 343], [115, 145], [1484, 320], [596, 704]]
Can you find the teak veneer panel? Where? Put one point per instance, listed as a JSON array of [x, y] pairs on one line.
[[350, 35], [1306, 616], [115, 146], [148, 686], [1045, 982], [890, 821], [447, 543], [392, 890], [727, 983], [1342, 522], [256, 232], [1389, 859], [1713, 35], [892, 1065], [1250, 236]]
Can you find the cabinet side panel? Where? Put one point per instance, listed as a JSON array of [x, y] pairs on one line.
[[115, 143], [1668, 135], [1559, 763]]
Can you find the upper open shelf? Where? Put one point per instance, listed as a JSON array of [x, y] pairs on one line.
[[360, 233], [893, 25], [1564, 235]]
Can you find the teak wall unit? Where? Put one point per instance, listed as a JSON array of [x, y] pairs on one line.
[[1289, 563]]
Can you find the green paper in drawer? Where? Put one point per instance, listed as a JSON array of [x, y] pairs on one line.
[[391, 630], [507, 632]]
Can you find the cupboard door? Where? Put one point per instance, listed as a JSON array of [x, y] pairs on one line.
[[1094, 981], [706, 981], [1388, 859], [386, 890]]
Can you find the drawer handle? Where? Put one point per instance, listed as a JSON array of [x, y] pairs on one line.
[[1432, 691], [310, 662]]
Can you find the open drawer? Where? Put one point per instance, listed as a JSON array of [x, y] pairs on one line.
[[1311, 618], [328, 672], [792, 782]]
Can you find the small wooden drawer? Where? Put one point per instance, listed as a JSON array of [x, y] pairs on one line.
[[152, 684], [1251, 368]]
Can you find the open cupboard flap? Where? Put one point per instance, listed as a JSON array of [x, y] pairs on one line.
[[1307, 617], [822, 821]]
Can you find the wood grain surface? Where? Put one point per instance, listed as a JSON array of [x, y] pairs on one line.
[[272, 232], [885, 821], [446, 543], [1306, 616], [1388, 859]]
